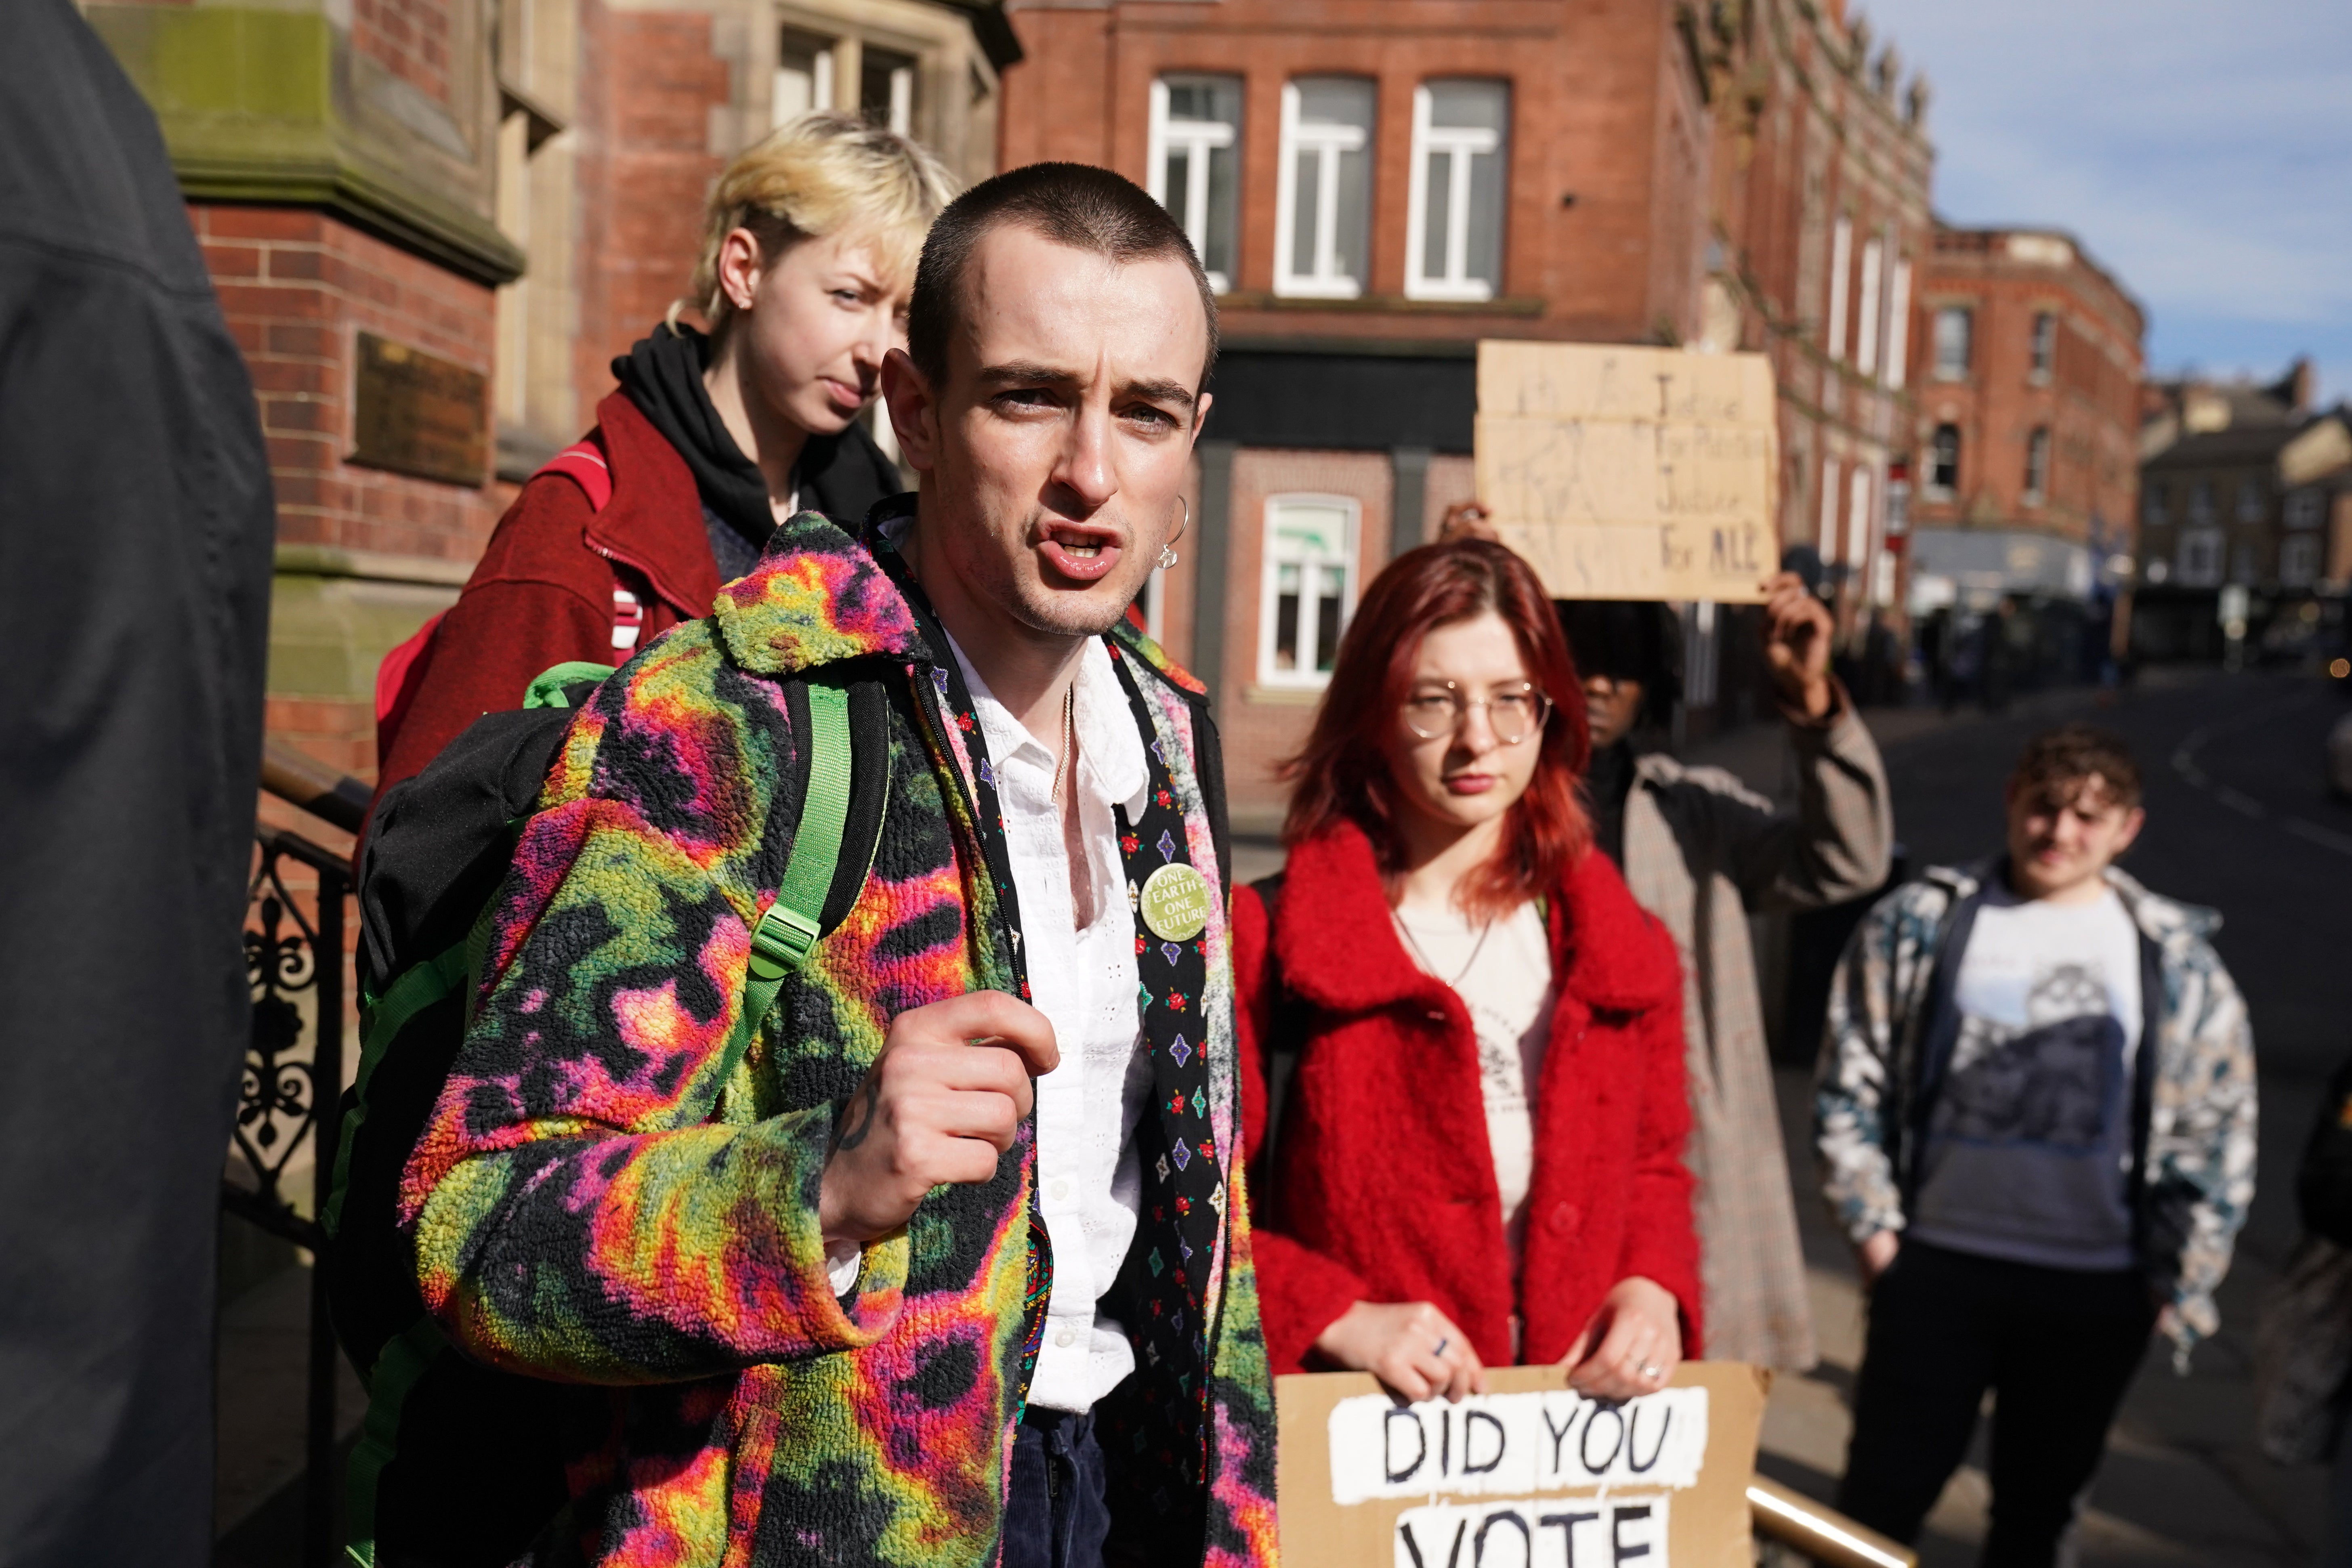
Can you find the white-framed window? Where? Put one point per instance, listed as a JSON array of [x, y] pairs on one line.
[[2043, 352], [803, 76], [1308, 588], [2298, 560], [1865, 348], [2155, 505], [1898, 327], [885, 88], [2037, 465], [1857, 516], [2305, 509], [1841, 264], [1454, 217], [1954, 325], [2253, 501], [2200, 503], [1195, 164], [1323, 200], [1944, 462], [2198, 559], [1825, 535]]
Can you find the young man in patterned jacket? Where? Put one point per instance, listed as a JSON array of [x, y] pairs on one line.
[[954, 1263], [2035, 1117]]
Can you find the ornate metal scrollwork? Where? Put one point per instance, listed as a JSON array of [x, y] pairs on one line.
[[290, 1082], [294, 971], [277, 1099]]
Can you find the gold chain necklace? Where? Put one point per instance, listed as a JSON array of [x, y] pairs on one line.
[[1069, 762]]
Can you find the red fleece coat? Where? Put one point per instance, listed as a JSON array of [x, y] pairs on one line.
[[543, 593], [1381, 1187]]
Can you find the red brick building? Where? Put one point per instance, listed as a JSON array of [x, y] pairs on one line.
[[1821, 199], [433, 223], [1376, 188], [2026, 363], [342, 176]]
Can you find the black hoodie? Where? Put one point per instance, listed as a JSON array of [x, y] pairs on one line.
[[841, 476]]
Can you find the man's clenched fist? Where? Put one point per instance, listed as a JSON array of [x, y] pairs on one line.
[[940, 1104]]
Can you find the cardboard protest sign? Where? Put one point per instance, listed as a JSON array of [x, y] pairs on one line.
[[1530, 1475], [1631, 473]]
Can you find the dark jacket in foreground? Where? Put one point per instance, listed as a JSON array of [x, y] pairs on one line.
[[1382, 1186], [135, 526]]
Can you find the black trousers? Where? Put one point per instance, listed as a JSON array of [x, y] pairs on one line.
[[2057, 1348], [1056, 1515]]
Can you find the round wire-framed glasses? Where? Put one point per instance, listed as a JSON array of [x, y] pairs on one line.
[[1433, 710]]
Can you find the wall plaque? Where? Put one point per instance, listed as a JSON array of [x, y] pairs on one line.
[[418, 413]]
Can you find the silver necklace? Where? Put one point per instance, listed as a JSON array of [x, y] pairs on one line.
[[1477, 948]]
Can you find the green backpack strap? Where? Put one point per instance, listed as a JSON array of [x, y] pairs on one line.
[[546, 690], [789, 928], [397, 1368], [780, 943]]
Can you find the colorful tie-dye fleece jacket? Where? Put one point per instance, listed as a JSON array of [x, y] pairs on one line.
[[589, 1205]]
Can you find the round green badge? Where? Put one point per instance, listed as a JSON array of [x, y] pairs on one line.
[[1175, 903]]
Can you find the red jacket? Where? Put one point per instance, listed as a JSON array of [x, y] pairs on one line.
[[1381, 1188], [543, 590]]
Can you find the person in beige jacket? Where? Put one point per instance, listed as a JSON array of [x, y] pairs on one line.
[[1702, 851]]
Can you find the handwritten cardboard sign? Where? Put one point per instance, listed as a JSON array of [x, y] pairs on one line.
[[1631, 473], [1530, 1475]]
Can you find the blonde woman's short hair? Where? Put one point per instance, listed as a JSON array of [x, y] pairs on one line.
[[822, 174]]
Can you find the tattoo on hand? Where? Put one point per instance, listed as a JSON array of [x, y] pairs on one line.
[[857, 1121]]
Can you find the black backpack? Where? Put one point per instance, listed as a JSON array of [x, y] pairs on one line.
[[1292, 1019], [459, 1465]]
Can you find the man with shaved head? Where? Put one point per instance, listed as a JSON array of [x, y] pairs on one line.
[[952, 1266]]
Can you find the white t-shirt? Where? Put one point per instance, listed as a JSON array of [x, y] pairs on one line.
[[2029, 1141], [1506, 982]]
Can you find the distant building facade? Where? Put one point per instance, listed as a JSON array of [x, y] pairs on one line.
[[1376, 189], [1821, 176], [433, 224], [2026, 364], [2245, 518]]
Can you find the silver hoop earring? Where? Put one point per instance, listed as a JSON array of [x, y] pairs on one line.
[[1167, 561]]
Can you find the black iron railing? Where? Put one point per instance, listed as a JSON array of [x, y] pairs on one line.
[[287, 1101]]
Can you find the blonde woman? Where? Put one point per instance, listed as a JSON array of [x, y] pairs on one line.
[[808, 253]]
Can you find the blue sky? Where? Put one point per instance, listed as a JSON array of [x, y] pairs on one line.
[[2203, 151]]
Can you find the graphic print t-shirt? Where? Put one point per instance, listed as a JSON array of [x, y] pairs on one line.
[[2028, 1144]]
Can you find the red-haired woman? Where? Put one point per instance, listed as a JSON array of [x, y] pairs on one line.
[[1478, 1155]]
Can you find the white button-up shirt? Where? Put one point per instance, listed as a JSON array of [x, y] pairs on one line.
[[1090, 1184]]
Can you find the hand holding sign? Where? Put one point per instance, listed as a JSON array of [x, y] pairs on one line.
[[1409, 1345], [1797, 631], [1631, 1347]]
